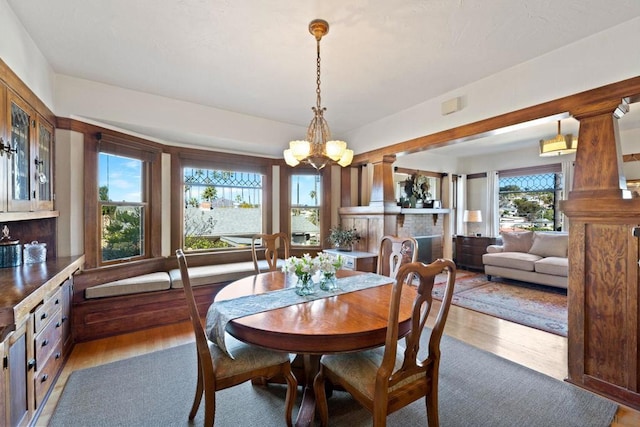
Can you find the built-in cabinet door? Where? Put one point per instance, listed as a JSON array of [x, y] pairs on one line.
[[42, 175], [3, 383], [4, 156], [18, 383], [21, 123]]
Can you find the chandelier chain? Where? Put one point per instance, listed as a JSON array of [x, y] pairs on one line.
[[318, 99]]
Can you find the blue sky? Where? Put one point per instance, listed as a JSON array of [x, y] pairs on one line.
[[122, 175]]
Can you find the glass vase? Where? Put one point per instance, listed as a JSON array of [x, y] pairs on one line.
[[328, 282], [305, 285]]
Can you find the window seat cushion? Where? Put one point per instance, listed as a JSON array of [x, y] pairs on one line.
[[133, 285], [208, 274]]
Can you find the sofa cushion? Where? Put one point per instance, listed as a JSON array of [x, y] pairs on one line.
[[516, 260], [519, 241], [133, 285], [557, 266], [550, 244]]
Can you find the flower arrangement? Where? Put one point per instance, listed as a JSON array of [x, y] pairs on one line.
[[343, 237], [306, 267]]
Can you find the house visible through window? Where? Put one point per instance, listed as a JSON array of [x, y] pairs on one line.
[[530, 201], [122, 207], [223, 209], [305, 209]]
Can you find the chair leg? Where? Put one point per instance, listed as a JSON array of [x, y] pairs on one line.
[[209, 407], [321, 398], [432, 408], [198, 397], [292, 392]]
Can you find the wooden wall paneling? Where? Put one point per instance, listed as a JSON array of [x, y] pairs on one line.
[[603, 261], [345, 187]]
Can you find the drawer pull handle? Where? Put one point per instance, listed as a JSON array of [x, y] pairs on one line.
[[44, 316], [57, 301], [31, 364], [64, 318], [44, 378], [45, 342], [58, 324], [57, 356]]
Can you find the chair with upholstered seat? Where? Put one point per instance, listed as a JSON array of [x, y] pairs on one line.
[[386, 379], [271, 243], [217, 371], [394, 252]]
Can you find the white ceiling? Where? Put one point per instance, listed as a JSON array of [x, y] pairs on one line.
[[257, 57]]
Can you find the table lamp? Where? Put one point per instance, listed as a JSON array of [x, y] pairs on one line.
[[473, 217]]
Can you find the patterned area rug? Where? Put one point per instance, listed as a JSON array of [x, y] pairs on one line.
[[537, 306]]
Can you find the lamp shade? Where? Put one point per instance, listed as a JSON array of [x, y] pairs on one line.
[[472, 216]]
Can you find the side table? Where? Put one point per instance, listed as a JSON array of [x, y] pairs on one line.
[[354, 260], [469, 251]]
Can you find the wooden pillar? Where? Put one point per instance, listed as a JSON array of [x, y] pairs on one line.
[[382, 191], [603, 262]]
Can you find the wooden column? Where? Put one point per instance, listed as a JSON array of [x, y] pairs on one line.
[[603, 262], [382, 191]]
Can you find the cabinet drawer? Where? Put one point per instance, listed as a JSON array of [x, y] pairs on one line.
[[46, 374], [49, 337], [349, 263], [47, 309]]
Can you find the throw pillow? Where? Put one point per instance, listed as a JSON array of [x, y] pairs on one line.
[[550, 244], [517, 241]]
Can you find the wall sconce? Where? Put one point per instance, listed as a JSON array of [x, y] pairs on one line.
[[472, 217]]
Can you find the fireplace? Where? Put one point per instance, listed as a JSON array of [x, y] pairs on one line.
[[429, 248]]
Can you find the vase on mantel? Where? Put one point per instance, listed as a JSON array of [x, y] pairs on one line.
[[345, 247]]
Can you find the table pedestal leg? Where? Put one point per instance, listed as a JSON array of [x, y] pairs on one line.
[[308, 406]]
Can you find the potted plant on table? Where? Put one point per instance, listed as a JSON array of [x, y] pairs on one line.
[[343, 238]]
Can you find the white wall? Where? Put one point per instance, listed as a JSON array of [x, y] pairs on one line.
[[21, 54], [69, 184], [600, 59]]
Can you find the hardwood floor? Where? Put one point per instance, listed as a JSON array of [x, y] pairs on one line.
[[538, 350]]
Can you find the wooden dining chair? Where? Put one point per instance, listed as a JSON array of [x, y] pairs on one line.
[[395, 251], [217, 371], [386, 379], [271, 243]]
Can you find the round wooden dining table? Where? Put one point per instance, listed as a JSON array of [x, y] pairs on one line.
[[338, 323]]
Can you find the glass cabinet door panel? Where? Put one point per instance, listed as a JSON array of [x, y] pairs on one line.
[[20, 137], [42, 173]]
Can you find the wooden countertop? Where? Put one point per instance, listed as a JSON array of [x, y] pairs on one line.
[[22, 287]]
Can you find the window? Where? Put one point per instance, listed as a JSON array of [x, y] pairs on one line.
[[222, 209], [305, 209], [530, 201], [122, 206]]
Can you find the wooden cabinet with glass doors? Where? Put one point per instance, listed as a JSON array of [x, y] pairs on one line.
[[27, 157]]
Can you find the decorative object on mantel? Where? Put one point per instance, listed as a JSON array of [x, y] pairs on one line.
[[318, 149], [558, 145], [343, 238], [10, 250], [417, 189]]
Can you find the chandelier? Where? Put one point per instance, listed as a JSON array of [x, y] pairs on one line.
[[558, 145], [318, 149]]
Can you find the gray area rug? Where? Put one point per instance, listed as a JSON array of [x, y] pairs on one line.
[[477, 388]]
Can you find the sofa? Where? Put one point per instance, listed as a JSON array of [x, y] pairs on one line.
[[530, 256]]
